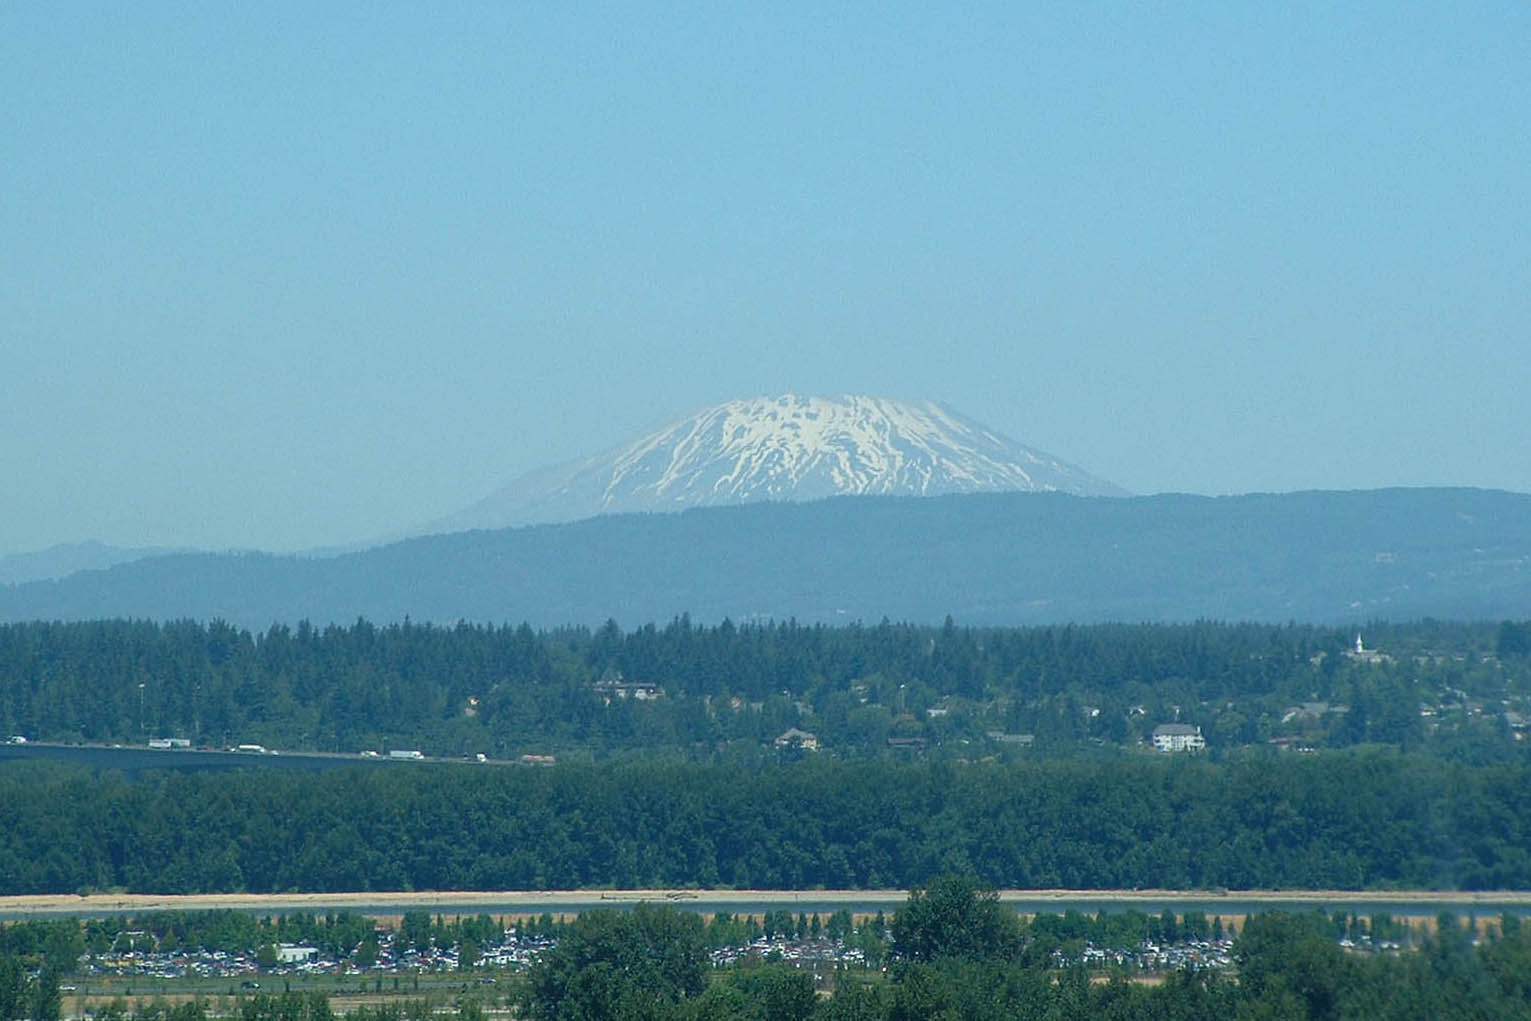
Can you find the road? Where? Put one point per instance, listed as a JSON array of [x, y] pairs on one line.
[[132, 758]]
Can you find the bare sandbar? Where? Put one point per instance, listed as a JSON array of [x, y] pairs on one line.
[[555, 900]]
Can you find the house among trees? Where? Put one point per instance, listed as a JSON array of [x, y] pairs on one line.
[[1178, 737], [1311, 712], [794, 738], [1517, 724], [615, 687]]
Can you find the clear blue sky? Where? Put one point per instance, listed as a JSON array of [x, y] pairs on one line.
[[282, 275]]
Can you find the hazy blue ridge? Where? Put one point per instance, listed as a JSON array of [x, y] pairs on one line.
[[1023, 558], [65, 559]]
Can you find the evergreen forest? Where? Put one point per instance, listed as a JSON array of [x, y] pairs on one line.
[[726, 692]]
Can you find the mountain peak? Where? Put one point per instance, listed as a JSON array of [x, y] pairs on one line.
[[784, 447]]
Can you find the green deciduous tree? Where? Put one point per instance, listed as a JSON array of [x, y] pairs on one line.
[[14, 988], [955, 917], [620, 964], [1289, 959]]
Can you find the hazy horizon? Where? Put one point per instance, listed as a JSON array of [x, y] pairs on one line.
[[286, 278]]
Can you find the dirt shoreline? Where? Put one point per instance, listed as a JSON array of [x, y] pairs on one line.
[[469, 900]]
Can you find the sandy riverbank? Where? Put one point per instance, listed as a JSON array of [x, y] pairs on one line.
[[554, 900]]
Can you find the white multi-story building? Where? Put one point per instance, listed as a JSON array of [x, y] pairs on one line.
[[1178, 737]]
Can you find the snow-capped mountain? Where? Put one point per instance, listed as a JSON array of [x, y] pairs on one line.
[[788, 447]]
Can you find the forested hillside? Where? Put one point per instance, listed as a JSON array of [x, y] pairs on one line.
[[1008, 558], [726, 692], [1019, 755]]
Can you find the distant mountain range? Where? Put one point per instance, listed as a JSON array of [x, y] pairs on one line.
[[65, 559], [785, 447], [1005, 558]]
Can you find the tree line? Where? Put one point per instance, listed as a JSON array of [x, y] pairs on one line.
[[1372, 819]]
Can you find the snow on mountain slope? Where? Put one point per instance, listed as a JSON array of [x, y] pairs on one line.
[[787, 447]]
